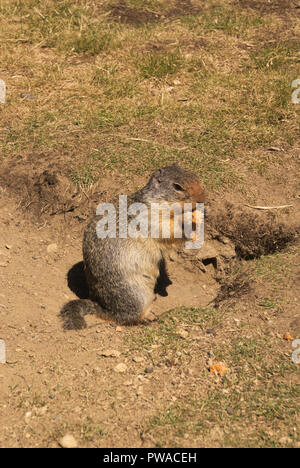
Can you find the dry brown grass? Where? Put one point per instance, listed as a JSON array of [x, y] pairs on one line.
[[198, 85]]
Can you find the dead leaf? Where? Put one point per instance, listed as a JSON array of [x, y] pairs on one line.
[[218, 368]]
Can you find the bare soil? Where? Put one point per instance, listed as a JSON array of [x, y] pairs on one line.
[[55, 382]]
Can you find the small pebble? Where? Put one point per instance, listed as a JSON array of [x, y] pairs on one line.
[[110, 353], [127, 383], [51, 248], [41, 411], [285, 441], [138, 359], [182, 333], [27, 96], [121, 368], [68, 441], [2, 352], [27, 416]]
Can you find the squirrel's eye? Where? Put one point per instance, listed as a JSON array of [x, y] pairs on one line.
[[178, 187]]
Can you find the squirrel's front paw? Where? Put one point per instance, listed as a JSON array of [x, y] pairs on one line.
[[151, 317]]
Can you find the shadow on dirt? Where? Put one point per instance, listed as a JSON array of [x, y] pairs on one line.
[[77, 281], [78, 284], [163, 281]]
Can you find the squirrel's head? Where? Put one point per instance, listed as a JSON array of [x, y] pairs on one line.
[[174, 184]]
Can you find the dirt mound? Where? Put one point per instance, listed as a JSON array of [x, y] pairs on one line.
[[231, 230], [54, 194], [279, 6], [47, 193], [136, 16], [253, 234], [184, 7], [216, 257]]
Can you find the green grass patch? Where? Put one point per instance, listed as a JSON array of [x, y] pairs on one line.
[[159, 65], [244, 409], [164, 333]]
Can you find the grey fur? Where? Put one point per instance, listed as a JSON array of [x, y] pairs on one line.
[[122, 273]]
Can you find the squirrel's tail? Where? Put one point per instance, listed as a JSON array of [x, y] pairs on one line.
[[72, 313]]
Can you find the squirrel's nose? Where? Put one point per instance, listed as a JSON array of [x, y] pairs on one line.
[[197, 193]]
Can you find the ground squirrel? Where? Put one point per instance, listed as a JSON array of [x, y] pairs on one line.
[[122, 273]]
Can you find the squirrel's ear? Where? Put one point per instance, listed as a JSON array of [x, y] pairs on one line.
[[156, 178]]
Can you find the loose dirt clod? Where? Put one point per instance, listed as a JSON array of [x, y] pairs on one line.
[[233, 287], [121, 368]]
